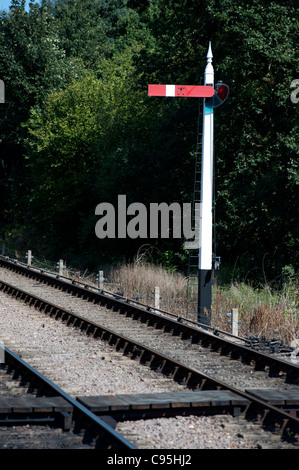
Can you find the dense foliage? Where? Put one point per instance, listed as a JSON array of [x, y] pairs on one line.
[[78, 127]]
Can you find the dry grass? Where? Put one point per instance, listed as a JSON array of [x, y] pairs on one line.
[[262, 312], [138, 281]]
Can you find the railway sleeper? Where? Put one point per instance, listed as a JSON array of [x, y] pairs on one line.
[[145, 319], [112, 339], [55, 313], [91, 434], [155, 322], [136, 352], [82, 324], [196, 382], [184, 378], [134, 314], [35, 303], [275, 371], [186, 335], [146, 358], [260, 364], [27, 382], [273, 421], [216, 346], [172, 329], [48, 309], [222, 349], [66, 317], [43, 306], [128, 349], [207, 342], [77, 322], [108, 337], [120, 344], [59, 313], [196, 338], [26, 298], [292, 377], [36, 410], [236, 354], [90, 330], [18, 294], [246, 358], [71, 320], [100, 334]]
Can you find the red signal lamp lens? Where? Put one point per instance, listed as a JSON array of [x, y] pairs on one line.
[[220, 95], [222, 92]]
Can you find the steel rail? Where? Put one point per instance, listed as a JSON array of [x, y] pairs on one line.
[[24, 268], [189, 377], [197, 335], [107, 436]]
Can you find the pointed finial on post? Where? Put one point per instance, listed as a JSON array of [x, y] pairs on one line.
[[210, 54], [209, 71]]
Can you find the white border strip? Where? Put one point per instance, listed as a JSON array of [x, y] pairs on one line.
[[170, 90]]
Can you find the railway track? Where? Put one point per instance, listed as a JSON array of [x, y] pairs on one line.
[[48, 416], [273, 371], [170, 335]]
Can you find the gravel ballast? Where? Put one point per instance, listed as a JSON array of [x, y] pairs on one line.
[[83, 366]]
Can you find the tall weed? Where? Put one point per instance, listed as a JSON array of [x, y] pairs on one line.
[[262, 311]]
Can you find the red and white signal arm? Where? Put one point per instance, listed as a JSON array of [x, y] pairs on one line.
[[187, 91], [220, 95]]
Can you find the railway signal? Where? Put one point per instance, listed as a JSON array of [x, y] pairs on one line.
[[213, 97]]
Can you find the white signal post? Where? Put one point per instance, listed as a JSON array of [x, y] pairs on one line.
[[206, 206]]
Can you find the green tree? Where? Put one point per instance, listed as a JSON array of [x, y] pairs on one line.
[[32, 64], [87, 29], [70, 153]]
